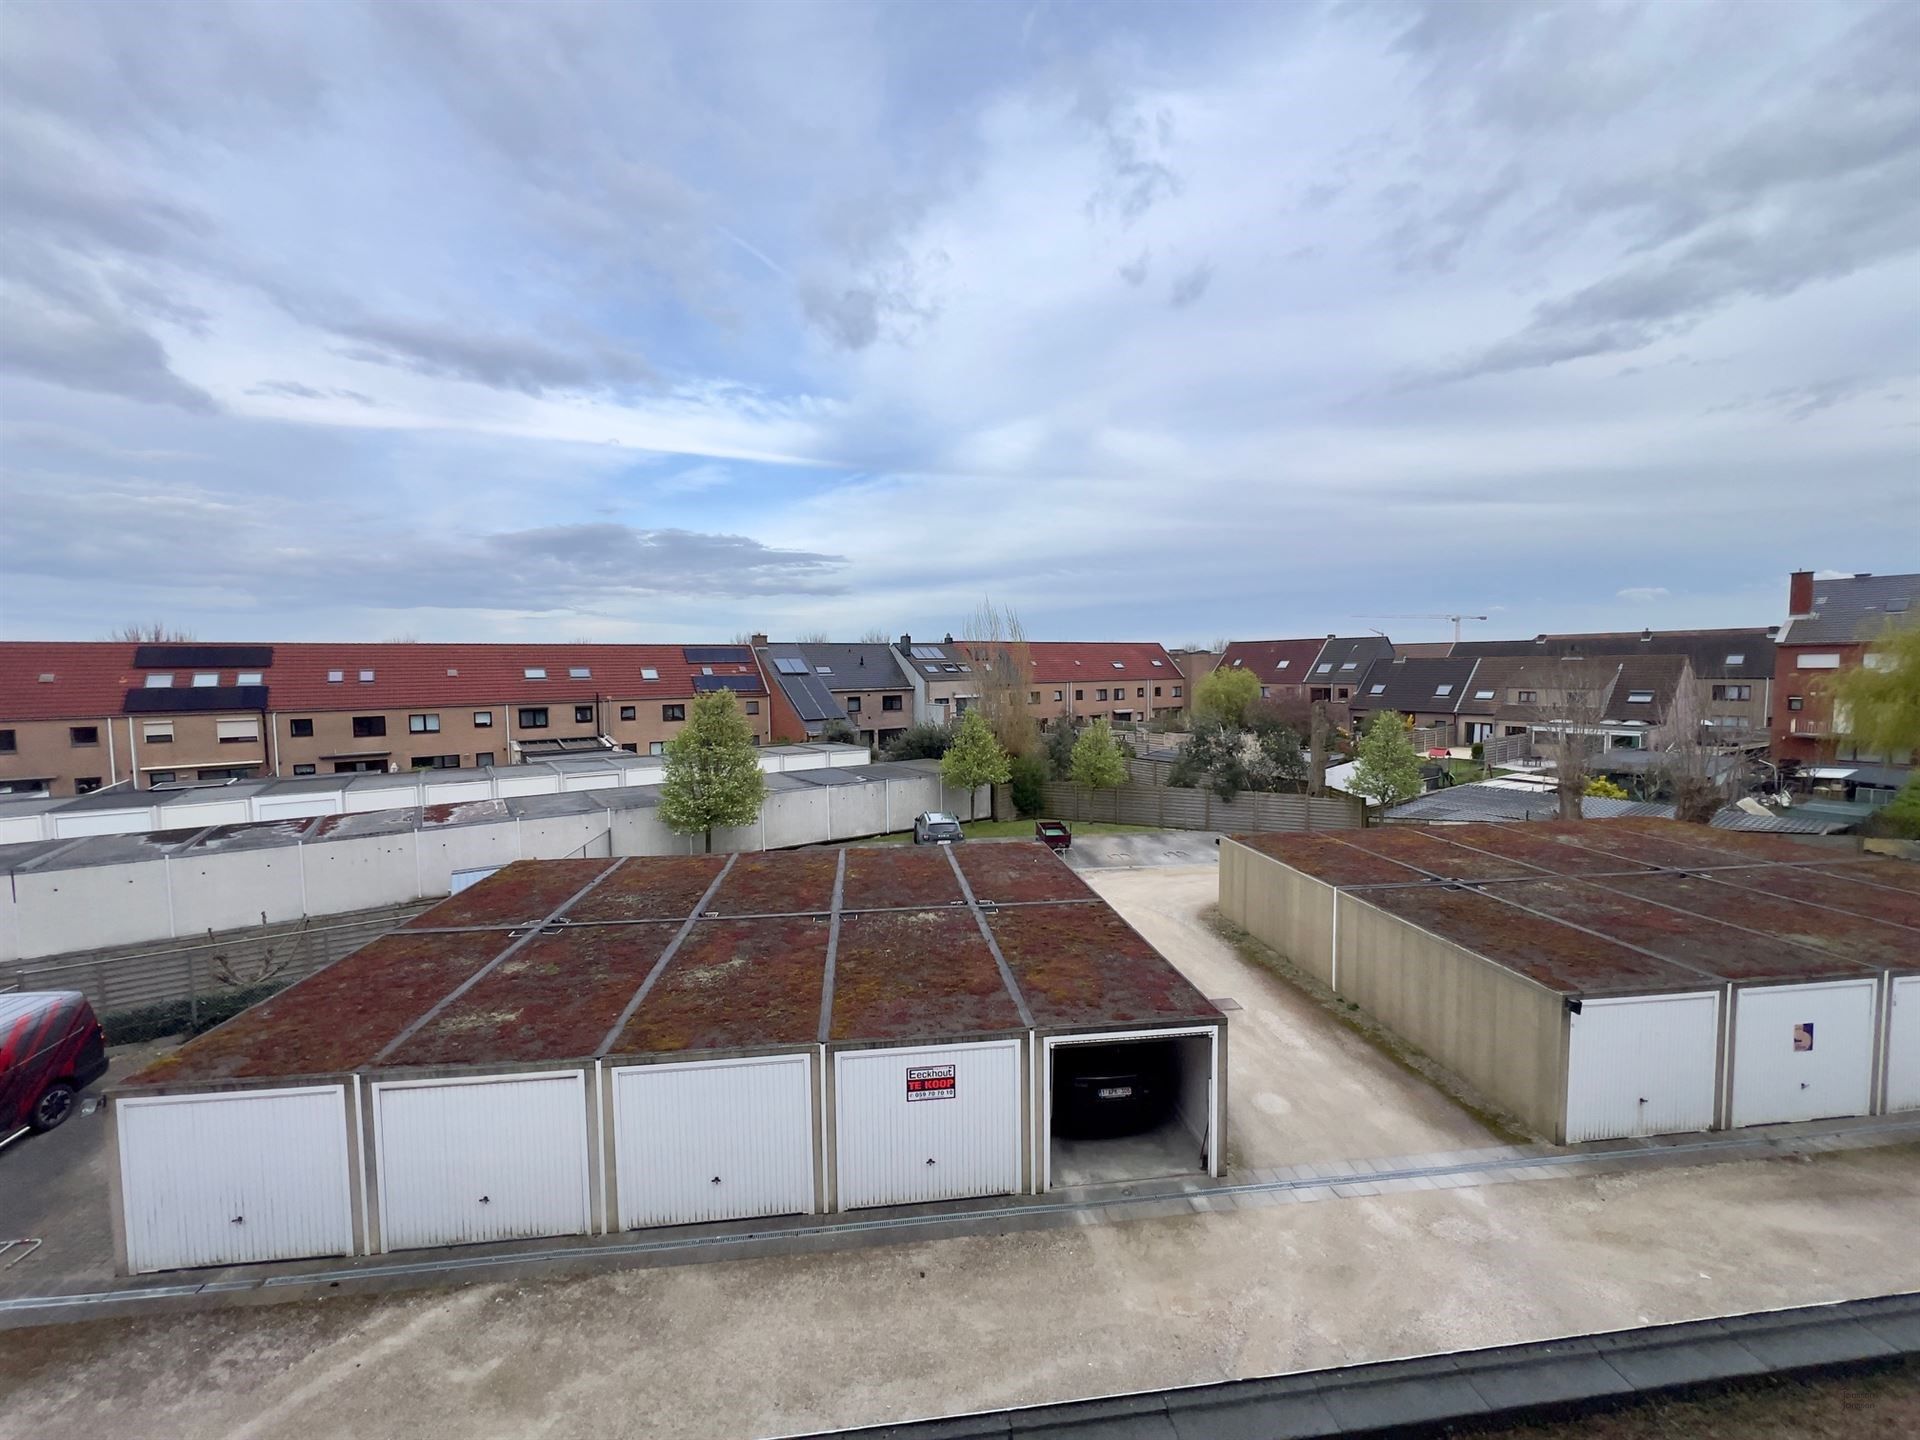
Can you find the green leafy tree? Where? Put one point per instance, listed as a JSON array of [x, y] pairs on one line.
[[1029, 776], [1060, 750], [1213, 759], [713, 770], [1601, 788], [1899, 818], [1225, 694], [1386, 769], [1279, 761], [975, 757], [1878, 704], [839, 732], [1098, 761], [926, 741]]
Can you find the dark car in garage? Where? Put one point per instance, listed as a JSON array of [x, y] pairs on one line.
[[1118, 1088]]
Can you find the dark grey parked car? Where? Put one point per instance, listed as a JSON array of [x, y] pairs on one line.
[[936, 827]]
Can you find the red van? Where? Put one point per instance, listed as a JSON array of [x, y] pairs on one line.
[[51, 1048]]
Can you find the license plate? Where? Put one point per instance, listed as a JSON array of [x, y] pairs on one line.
[[1116, 1092]]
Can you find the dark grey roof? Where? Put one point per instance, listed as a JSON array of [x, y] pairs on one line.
[[1711, 652], [812, 701], [1413, 686], [855, 667], [934, 659], [1341, 651], [1656, 676], [1856, 609]]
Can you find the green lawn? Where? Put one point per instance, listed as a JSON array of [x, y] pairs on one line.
[[1016, 830]]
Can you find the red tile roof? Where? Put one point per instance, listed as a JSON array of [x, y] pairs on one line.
[[1056, 662], [92, 677], [1263, 658]]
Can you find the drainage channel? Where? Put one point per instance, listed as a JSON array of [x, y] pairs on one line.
[[780, 1239]]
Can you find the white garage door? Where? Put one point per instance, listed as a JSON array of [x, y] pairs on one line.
[[228, 1179], [940, 1123], [713, 1140], [1803, 1052], [462, 1161], [1642, 1065], [1903, 1045]]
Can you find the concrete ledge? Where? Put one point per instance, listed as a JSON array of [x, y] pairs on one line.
[[1569, 1377]]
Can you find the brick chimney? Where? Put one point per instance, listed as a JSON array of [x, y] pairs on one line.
[[1800, 593], [756, 639], [906, 642]]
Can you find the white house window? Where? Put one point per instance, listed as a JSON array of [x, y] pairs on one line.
[[204, 680], [1817, 662], [534, 672], [482, 719], [1639, 697], [234, 732], [158, 732], [423, 724], [159, 682]]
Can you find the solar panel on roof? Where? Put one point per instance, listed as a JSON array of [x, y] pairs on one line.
[[926, 652], [187, 657], [790, 665], [704, 683], [717, 654]]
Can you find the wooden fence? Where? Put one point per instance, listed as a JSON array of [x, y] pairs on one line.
[[1166, 807], [133, 976]]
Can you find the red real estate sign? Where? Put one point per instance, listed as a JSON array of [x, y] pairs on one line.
[[930, 1082]]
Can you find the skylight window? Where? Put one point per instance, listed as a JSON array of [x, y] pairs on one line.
[[1443, 689], [1349, 664], [1323, 669], [159, 682], [366, 677], [46, 677], [534, 672], [1159, 664], [334, 677], [1236, 663], [584, 672], [248, 677], [1377, 690], [1119, 664], [1483, 694], [1736, 659], [1281, 666], [823, 669], [647, 672], [1897, 604], [1639, 697], [453, 669], [204, 680]]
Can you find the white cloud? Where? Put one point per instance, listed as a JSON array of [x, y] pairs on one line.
[[1643, 594]]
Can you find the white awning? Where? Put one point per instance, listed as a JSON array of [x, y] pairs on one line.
[[1831, 772]]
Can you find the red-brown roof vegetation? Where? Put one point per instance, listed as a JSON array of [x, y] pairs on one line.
[[917, 974], [735, 983], [1325, 858], [1082, 965], [778, 882], [1004, 871], [1431, 853], [664, 887], [517, 894], [886, 876]]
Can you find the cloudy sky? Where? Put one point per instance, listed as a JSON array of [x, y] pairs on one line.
[[1170, 322]]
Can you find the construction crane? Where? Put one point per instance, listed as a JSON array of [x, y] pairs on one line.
[[1456, 619]]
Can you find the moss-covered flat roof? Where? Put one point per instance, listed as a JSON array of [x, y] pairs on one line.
[[567, 960], [1614, 906]]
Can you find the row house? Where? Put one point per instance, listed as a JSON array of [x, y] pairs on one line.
[[1122, 681], [1618, 703], [945, 681], [77, 717], [1325, 671], [1831, 625], [816, 685], [1732, 670]]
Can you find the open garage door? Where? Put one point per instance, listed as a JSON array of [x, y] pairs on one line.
[[1903, 1044], [1643, 1065], [1803, 1052], [1130, 1105], [234, 1178], [465, 1161], [939, 1123], [713, 1140]]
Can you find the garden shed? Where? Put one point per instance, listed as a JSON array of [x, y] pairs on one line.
[[1610, 978], [574, 1047]]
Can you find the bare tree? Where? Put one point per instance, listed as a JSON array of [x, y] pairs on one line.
[[874, 635], [157, 633], [1317, 749], [1569, 701], [1702, 776], [1219, 646], [813, 637], [998, 643]]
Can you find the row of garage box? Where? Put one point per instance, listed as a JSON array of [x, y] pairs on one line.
[[290, 1171], [1655, 1065]]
